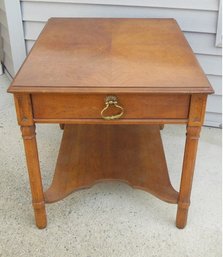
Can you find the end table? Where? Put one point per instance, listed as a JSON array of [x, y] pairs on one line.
[[111, 84]]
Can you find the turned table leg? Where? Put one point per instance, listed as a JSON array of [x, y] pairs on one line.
[[62, 126], [29, 138], [187, 175], [161, 126]]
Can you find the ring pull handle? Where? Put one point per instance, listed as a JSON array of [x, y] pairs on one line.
[[109, 101]]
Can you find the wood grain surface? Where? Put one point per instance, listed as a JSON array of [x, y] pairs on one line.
[[76, 54], [132, 154], [89, 106]]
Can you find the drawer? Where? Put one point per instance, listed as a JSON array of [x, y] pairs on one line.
[[89, 106]]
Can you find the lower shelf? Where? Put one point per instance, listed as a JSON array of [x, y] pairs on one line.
[[93, 153]]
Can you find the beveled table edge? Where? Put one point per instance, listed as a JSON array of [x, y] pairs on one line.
[[96, 90]]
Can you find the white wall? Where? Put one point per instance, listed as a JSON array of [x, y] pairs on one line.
[[12, 35], [6, 55], [197, 18]]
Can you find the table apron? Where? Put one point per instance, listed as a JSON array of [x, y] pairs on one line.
[[86, 108]]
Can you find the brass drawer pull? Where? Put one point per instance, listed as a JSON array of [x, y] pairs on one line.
[[112, 100]]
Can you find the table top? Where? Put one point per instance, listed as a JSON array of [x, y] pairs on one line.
[[77, 55]]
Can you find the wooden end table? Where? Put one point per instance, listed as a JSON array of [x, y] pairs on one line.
[[111, 84]]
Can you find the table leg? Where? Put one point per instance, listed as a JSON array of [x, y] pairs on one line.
[[192, 138], [62, 126], [29, 138], [161, 126]]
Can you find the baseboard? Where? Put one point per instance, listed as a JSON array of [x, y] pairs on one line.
[[214, 124]]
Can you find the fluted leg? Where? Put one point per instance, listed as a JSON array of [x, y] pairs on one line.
[[187, 175], [32, 159]]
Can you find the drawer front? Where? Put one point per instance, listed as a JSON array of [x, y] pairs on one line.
[[89, 106]]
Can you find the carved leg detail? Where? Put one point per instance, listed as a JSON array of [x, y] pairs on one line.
[[29, 138], [187, 175]]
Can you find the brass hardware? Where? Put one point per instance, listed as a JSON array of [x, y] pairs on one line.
[[112, 100]]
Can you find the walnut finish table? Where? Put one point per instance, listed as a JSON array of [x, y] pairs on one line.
[[113, 83]]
